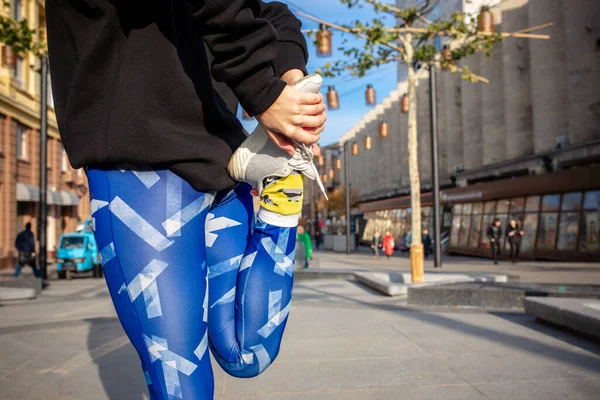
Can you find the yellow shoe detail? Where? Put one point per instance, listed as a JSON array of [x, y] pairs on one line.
[[284, 196]]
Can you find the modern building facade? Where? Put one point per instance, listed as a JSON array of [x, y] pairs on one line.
[[68, 196], [526, 145]]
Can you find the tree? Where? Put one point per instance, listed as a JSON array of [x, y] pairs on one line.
[[411, 42], [19, 37], [337, 201]]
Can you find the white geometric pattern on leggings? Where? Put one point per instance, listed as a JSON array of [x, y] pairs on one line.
[[224, 266], [172, 364], [145, 282], [202, 347], [216, 224], [174, 223], [138, 225], [108, 253], [276, 314], [174, 194], [283, 263], [96, 205]]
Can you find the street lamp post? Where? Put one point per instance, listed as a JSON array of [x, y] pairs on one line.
[[43, 212], [435, 171], [346, 150]]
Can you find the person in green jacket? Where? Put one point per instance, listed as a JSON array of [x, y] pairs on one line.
[[304, 237]]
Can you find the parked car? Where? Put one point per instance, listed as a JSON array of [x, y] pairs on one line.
[[78, 252]]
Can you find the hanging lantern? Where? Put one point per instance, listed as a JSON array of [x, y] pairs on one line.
[[324, 178], [404, 104], [323, 41], [321, 161], [9, 57], [384, 129], [333, 101], [485, 20], [245, 115], [338, 163], [331, 174], [368, 142], [446, 58], [370, 96], [354, 149]]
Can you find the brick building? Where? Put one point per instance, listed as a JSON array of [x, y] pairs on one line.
[[526, 145], [68, 198]]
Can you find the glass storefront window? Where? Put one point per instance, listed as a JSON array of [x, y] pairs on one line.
[[547, 231], [455, 230], [550, 202], [477, 208], [489, 207], [530, 224], [457, 209], [571, 202], [467, 208], [486, 222], [517, 206], [502, 207], [567, 230], [464, 231], [475, 230], [532, 203], [590, 223]]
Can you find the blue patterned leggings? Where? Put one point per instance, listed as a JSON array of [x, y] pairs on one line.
[[187, 272]]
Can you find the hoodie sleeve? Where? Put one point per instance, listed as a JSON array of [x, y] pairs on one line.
[[244, 46], [292, 52]]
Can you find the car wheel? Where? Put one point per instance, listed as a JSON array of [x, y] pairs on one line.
[[69, 275], [98, 273], [61, 274]]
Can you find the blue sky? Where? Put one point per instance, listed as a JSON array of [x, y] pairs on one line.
[[351, 90]]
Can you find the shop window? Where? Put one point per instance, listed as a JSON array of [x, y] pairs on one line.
[[21, 142], [477, 208], [464, 231], [532, 204], [530, 224], [474, 235], [550, 202], [571, 202], [547, 231], [517, 206], [489, 207], [457, 209], [567, 230], [590, 223], [502, 207], [455, 230], [467, 209]]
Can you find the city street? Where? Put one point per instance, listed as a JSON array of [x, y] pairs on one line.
[[343, 341]]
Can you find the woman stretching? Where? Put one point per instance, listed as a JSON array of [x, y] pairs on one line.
[[136, 107]]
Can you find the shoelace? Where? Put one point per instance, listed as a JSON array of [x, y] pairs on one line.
[[302, 161]]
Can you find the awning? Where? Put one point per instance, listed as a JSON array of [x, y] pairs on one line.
[[27, 192], [69, 198]]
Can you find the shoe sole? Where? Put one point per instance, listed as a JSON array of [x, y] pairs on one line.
[[241, 157]]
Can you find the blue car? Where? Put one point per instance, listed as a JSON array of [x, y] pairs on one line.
[[78, 252]]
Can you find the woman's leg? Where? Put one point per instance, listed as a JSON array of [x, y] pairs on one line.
[[250, 284], [149, 226]]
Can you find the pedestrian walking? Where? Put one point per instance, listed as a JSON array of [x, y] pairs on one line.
[[514, 235], [25, 245], [376, 244], [388, 244], [318, 239], [426, 242], [304, 237], [494, 233], [164, 153]]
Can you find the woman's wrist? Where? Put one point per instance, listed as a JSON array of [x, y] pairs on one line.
[[292, 76]]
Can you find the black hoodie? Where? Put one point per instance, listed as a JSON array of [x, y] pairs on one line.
[[132, 83]]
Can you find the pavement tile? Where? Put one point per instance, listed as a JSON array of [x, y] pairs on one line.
[[446, 392], [572, 389]]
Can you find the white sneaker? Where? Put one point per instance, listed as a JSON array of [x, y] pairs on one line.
[[258, 157]]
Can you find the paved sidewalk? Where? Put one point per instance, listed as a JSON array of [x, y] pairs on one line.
[[342, 342], [527, 271]]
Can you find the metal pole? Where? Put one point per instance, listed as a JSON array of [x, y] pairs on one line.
[[347, 193], [43, 212], [437, 260]]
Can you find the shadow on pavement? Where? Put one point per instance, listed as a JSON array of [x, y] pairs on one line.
[[575, 358], [116, 359]]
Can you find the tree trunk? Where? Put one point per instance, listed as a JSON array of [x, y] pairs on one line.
[[416, 248]]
